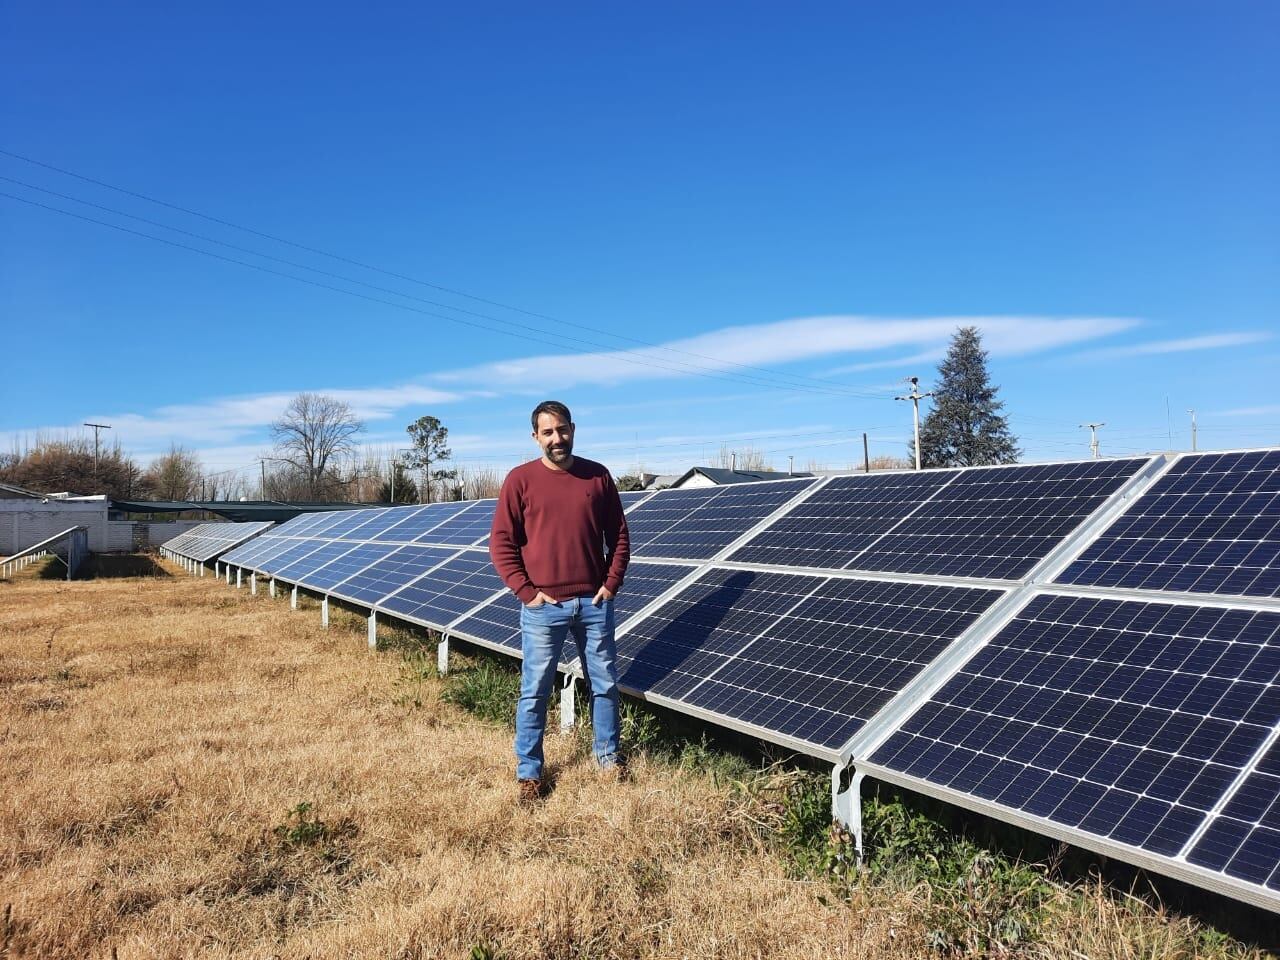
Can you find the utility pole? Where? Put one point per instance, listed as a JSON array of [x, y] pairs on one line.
[[1093, 436], [915, 396], [866, 455], [97, 427], [1193, 428], [262, 490]]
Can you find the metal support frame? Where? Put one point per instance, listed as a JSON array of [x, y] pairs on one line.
[[271, 587], [239, 570], [293, 598], [442, 655], [846, 802], [373, 629], [226, 567], [324, 612], [253, 582], [567, 706]]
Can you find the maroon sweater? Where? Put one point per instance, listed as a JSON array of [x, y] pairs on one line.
[[551, 528]]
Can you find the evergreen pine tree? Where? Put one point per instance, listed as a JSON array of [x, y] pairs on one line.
[[965, 427]]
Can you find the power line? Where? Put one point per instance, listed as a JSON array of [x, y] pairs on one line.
[[623, 355], [435, 286], [371, 286]]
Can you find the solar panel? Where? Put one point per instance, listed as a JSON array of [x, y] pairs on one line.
[[264, 548], [241, 555], [280, 559], [447, 592], [380, 522], [210, 540], [498, 623], [412, 526], [830, 528], [390, 572], [1211, 524], [696, 524], [997, 522], [465, 527], [721, 520], [1243, 841], [324, 551], [1121, 719], [326, 573], [802, 657]]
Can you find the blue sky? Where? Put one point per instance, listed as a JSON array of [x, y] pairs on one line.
[[716, 221]]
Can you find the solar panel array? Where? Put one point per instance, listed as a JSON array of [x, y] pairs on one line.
[[210, 540], [902, 621]]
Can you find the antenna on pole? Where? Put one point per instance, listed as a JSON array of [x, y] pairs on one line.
[[1191, 410], [1093, 436], [97, 427], [915, 396]]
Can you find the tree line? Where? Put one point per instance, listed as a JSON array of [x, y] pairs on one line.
[[316, 455]]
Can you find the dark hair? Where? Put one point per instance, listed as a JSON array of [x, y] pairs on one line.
[[553, 407]]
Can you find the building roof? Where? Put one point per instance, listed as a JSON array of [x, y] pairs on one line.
[[721, 476], [13, 491], [237, 510]]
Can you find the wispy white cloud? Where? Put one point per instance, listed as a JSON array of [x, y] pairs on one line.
[[1262, 411], [903, 363], [221, 425], [725, 351], [1211, 341]]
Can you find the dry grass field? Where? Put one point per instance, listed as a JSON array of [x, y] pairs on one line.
[[188, 771]]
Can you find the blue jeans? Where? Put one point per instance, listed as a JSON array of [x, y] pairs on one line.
[[542, 634]]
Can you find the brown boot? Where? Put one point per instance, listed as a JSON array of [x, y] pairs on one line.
[[530, 791]]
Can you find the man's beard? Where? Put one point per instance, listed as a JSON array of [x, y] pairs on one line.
[[558, 453]]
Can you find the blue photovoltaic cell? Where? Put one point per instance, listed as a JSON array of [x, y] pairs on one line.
[[499, 622], [213, 539], [649, 520], [304, 567], [813, 660], [1120, 718], [676, 647], [447, 592], [272, 548], [1209, 525], [344, 524], [831, 527], [243, 555], [410, 526], [630, 498], [464, 528], [997, 522], [834, 661], [1243, 841], [283, 558], [328, 577], [392, 572], [379, 523], [713, 524]]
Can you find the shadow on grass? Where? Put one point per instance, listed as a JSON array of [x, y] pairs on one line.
[[105, 566]]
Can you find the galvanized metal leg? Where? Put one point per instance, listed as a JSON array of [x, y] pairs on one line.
[[253, 583], [239, 570], [373, 629], [566, 704], [226, 568], [324, 612], [442, 655], [846, 802], [293, 598], [272, 587], [201, 566]]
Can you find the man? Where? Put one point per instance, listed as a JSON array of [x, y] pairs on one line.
[[555, 517]]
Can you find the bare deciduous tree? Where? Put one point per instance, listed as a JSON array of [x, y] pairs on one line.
[[312, 436], [175, 475], [743, 458]]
